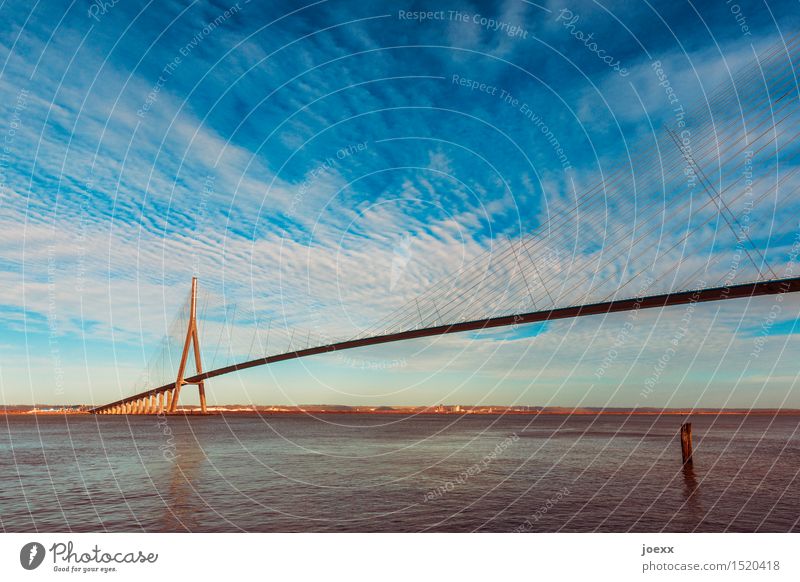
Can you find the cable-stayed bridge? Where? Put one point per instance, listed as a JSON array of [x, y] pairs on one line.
[[707, 211]]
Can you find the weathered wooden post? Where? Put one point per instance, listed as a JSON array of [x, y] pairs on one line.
[[686, 443]]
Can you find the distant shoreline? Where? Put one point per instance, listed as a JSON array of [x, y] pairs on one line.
[[457, 410]]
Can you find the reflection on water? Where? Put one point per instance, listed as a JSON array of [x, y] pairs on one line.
[[691, 490], [392, 473], [182, 500]]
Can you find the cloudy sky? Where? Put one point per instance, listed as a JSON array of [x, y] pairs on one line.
[[322, 164]]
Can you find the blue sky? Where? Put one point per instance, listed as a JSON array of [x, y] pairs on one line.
[[325, 163]]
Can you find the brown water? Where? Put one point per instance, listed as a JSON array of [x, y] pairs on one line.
[[396, 473]]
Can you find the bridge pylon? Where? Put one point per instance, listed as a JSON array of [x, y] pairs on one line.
[[192, 341]]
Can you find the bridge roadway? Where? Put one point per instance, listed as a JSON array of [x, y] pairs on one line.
[[145, 401]]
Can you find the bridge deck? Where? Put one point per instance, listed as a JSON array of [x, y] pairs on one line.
[[774, 287]]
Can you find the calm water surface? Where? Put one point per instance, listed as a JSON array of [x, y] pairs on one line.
[[345, 472]]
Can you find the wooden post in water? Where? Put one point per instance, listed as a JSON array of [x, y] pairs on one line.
[[686, 443]]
